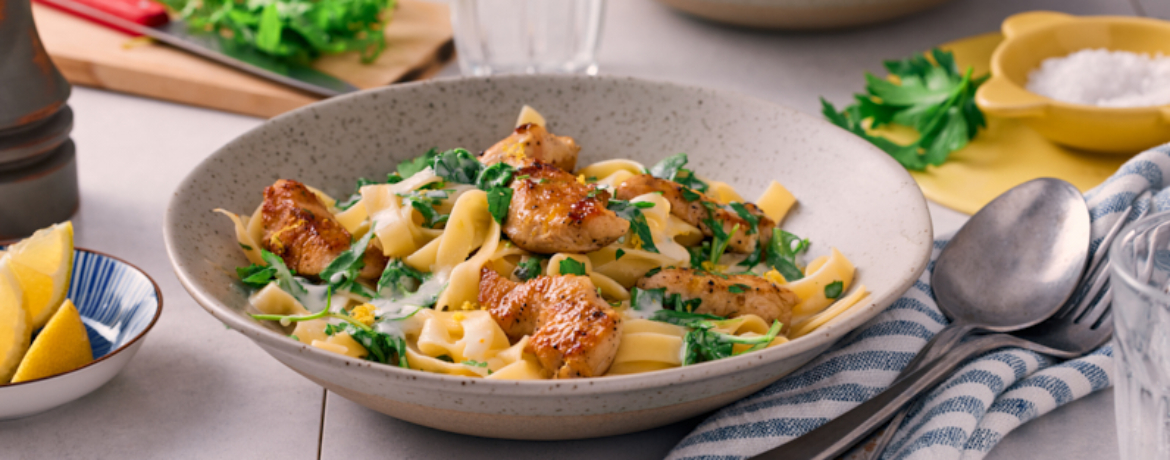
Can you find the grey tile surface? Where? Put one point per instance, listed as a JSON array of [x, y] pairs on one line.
[[195, 389]]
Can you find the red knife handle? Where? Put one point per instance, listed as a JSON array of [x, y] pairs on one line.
[[142, 12]]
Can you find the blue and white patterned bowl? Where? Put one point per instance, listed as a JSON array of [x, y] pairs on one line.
[[119, 304]]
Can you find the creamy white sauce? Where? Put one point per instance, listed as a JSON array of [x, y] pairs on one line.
[[315, 296]]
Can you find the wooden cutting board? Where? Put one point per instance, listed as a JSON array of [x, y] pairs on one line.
[[418, 44]]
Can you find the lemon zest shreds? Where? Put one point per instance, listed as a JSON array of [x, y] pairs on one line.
[[775, 277], [581, 179], [364, 313], [468, 306]]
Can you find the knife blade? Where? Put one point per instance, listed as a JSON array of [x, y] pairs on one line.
[[209, 45]]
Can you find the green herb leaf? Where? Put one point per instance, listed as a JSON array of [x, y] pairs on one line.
[[424, 201], [474, 363], [739, 288], [283, 275], [528, 268], [268, 35], [246, 247], [445, 358], [345, 267], [498, 175], [411, 167], [782, 252], [690, 195], [399, 279], [669, 167], [833, 290], [256, 276], [458, 165], [619, 253], [632, 212], [932, 97], [743, 213], [570, 266], [499, 199], [686, 319]]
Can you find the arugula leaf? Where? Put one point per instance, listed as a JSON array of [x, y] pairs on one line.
[[686, 319], [617, 255], [343, 269], [690, 195], [424, 201], [474, 363], [743, 213], [445, 358], [498, 175], [632, 212], [528, 268], [739, 288], [499, 200], [256, 276], [283, 275], [647, 299], [458, 165], [669, 167], [413, 166], [382, 347], [676, 302], [782, 252], [569, 266], [833, 290], [399, 279], [932, 97]]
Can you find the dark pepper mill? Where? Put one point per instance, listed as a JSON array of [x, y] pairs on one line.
[[38, 164]]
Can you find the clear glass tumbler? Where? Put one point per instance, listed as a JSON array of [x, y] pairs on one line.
[[1141, 315], [527, 36]]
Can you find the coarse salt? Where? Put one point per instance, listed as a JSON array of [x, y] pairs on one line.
[[1104, 78]]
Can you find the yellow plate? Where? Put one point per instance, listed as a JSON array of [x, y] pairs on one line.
[[1007, 153]]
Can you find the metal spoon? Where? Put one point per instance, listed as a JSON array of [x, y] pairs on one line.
[[1013, 265]]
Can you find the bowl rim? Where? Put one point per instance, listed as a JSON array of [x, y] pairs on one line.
[[997, 58], [128, 344], [266, 337]]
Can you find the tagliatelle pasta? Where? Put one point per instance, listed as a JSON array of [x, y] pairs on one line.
[[696, 273]]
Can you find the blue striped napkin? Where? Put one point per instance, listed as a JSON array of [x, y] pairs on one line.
[[966, 416]]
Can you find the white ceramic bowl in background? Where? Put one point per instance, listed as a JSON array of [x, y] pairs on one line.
[[119, 304], [852, 196], [801, 14]]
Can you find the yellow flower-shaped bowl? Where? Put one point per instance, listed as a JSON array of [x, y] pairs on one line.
[[1035, 36]]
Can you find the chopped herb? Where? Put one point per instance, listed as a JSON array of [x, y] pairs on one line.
[[294, 337], [739, 288], [527, 269], [256, 276], [522, 177], [647, 299], [752, 219], [632, 212], [669, 167], [283, 275], [833, 290], [499, 199], [651, 272], [703, 343], [782, 252], [685, 319], [424, 201], [411, 167], [382, 347], [719, 246], [690, 195], [570, 266], [458, 165], [474, 363], [498, 175], [343, 270], [699, 254], [619, 253], [399, 279], [445, 358], [246, 247]]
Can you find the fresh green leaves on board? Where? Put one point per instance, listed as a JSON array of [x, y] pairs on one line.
[[932, 96], [291, 30]]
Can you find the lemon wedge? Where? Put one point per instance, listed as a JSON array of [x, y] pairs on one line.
[[14, 324], [62, 346], [43, 264]]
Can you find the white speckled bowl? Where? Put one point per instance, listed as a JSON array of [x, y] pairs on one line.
[[852, 196], [801, 14]]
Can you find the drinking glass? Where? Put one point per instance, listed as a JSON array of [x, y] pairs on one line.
[[527, 36], [1141, 314]]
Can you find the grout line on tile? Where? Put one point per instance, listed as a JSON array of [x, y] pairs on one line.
[[321, 431]]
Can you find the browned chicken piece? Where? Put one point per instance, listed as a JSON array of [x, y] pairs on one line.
[[533, 143], [552, 212], [573, 332], [696, 213], [761, 297], [302, 231]]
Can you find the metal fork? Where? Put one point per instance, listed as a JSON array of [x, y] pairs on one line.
[[1072, 332], [1098, 273]]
